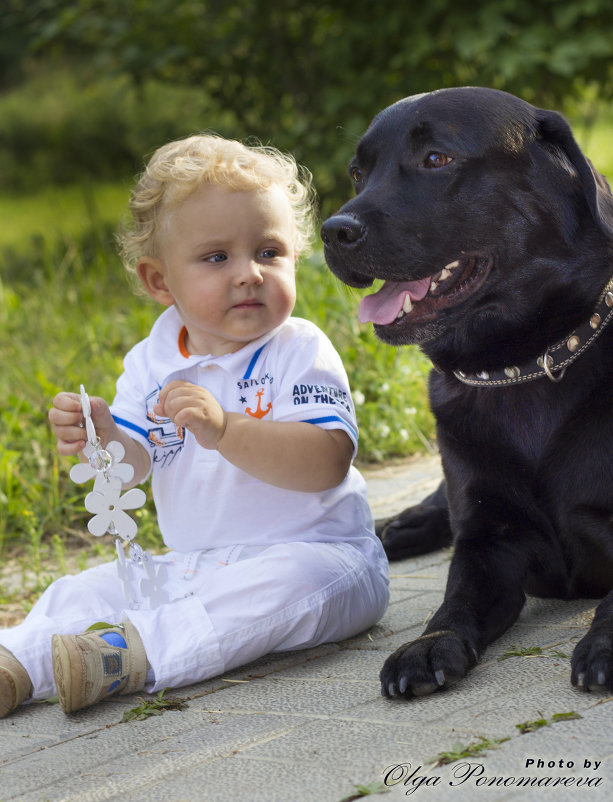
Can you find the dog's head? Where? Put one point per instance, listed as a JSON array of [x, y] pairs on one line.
[[472, 206]]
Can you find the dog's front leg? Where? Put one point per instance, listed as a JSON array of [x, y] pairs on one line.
[[483, 598], [417, 530], [592, 660]]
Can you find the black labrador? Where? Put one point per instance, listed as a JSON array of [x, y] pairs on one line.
[[494, 237]]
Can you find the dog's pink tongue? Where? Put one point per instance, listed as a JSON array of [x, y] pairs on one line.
[[383, 307]]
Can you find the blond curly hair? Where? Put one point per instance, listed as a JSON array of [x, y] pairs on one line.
[[179, 168]]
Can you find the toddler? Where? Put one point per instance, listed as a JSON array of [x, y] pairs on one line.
[[243, 416]]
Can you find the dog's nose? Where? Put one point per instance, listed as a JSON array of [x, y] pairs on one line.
[[342, 229]]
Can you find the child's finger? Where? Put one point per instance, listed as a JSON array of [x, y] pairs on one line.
[[100, 409], [70, 449], [60, 417], [67, 402], [172, 398], [168, 387], [175, 386], [72, 433]]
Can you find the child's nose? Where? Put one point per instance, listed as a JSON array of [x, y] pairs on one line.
[[250, 272]]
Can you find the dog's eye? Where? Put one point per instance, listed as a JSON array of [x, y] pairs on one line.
[[436, 159], [356, 175]]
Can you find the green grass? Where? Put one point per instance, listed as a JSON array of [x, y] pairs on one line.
[[461, 751], [534, 651], [531, 726], [59, 213], [68, 316], [153, 706]]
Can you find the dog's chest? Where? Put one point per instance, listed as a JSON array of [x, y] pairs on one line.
[[504, 421]]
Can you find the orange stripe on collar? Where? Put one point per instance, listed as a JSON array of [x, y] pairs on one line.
[[183, 343]]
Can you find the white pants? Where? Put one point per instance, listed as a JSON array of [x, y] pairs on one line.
[[242, 603]]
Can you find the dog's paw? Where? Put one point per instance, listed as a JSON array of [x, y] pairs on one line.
[[592, 662], [434, 661], [417, 530]]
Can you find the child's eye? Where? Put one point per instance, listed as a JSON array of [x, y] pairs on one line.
[[269, 253], [216, 257]]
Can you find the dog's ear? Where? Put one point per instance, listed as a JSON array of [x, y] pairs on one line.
[[555, 133]]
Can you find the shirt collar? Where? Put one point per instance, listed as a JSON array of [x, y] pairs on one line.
[[169, 355]]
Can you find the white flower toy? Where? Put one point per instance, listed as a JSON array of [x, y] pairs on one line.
[[112, 470], [108, 505]]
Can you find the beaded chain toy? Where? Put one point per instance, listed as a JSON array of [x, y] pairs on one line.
[[142, 583]]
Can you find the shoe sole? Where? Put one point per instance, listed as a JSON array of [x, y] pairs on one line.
[[62, 673]]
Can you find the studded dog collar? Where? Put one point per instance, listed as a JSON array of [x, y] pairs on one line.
[[556, 359]]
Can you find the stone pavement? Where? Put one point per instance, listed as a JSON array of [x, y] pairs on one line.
[[310, 726]]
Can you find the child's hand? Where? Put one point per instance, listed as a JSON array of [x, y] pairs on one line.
[[66, 415], [193, 408]]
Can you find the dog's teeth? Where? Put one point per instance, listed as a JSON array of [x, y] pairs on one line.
[[452, 265], [400, 314], [407, 306], [433, 286], [444, 274]]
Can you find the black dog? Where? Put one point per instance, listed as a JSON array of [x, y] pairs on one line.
[[495, 239]]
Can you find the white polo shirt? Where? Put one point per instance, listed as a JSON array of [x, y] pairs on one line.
[[203, 501]]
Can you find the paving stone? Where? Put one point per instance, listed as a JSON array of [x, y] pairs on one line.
[[309, 726]]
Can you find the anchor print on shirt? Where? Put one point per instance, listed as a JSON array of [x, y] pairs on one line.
[[259, 412]]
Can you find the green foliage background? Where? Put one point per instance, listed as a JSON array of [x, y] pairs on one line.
[[306, 76], [89, 88]]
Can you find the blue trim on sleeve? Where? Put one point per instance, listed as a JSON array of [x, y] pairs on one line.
[[332, 418], [254, 359], [126, 423]]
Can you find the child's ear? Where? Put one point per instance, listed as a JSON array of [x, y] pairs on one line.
[[151, 273]]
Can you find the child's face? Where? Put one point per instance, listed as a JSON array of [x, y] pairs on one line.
[[227, 264]]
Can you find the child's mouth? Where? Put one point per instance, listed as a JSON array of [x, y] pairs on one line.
[[248, 305]]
